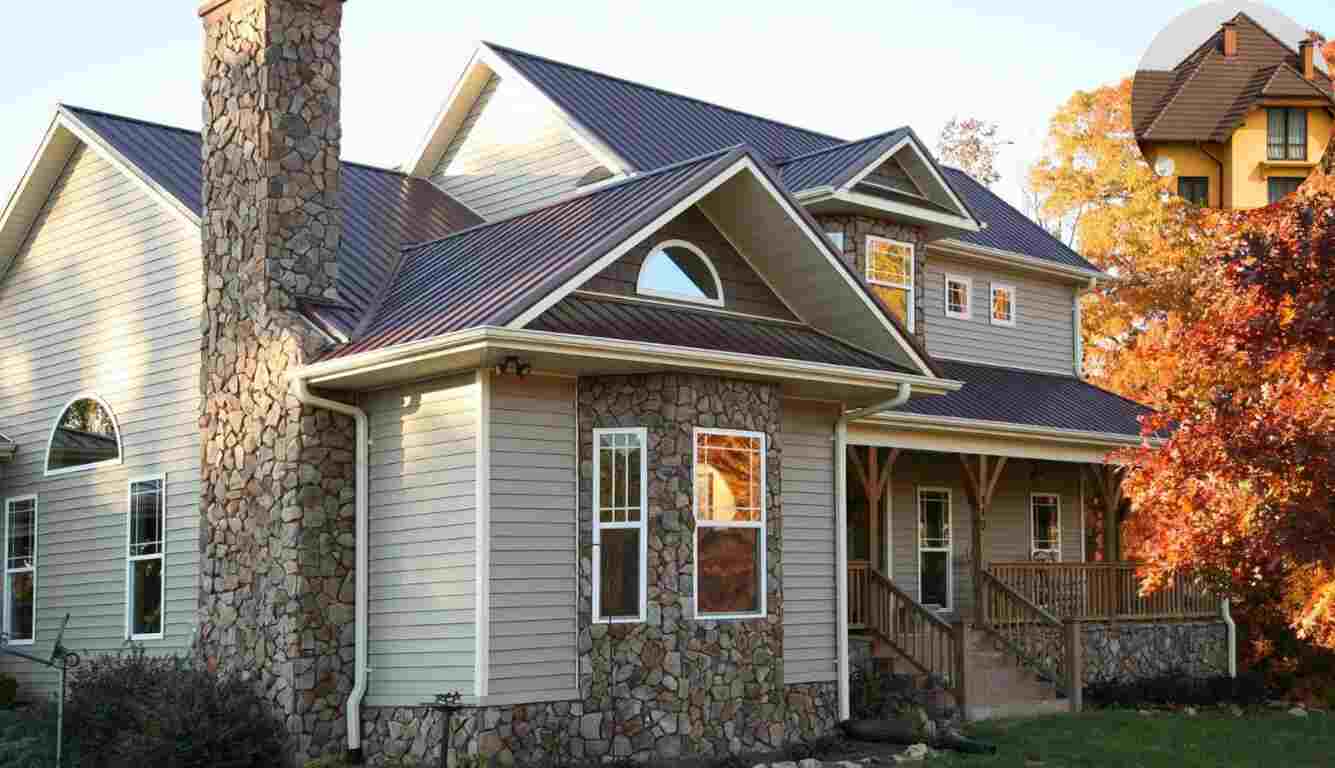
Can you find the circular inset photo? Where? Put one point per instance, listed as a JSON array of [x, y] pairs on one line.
[[1233, 104]]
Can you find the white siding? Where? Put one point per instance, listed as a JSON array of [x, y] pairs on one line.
[[422, 516], [105, 297], [511, 153], [1044, 331], [810, 648], [533, 540]]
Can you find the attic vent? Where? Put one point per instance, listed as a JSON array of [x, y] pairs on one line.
[[594, 176]]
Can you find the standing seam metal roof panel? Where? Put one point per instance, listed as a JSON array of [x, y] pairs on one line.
[[825, 167]]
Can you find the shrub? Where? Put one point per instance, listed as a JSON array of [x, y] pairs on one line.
[[1248, 689], [28, 739], [9, 691], [132, 710]]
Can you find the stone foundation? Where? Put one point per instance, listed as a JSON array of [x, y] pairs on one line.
[[530, 734], [1131, 651]]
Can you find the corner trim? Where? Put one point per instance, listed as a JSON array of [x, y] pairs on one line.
[[482, 662]]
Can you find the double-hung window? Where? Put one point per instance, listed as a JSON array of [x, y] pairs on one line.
[[21, 570], [959, 297], [1286, 134], [729, 524], [935, 547], [620, 527], [1045, 530], [889, 272], [1003, 304], [145, 558]]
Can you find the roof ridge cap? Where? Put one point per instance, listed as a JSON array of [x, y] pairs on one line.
[[843, 145], [663, 91], [128, 119]]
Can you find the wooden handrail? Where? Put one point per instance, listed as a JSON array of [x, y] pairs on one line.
[[1104, 592], [1031, 633]]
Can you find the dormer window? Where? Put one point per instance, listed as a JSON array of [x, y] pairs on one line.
[[678, 270], [889, 272]]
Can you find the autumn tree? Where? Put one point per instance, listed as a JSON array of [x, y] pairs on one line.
[[1243, 492], [972, 145]]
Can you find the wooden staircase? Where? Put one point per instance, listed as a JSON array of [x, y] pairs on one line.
[[997, 684]]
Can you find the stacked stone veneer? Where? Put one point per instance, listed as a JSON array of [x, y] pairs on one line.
[[276, 588], [855, 230], [1130, 651], [671, 685]]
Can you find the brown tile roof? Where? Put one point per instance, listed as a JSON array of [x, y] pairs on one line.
[[1207, 95]]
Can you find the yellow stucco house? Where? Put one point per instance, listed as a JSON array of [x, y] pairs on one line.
[[1240, 122]]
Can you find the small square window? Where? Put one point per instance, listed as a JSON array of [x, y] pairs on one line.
[[1280, 187], [1003, 304], [959, 297], [1194, 189]]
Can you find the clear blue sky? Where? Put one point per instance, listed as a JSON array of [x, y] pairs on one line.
[[846, 68]]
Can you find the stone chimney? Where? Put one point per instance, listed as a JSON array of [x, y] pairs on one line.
[[1230, 39], [277, 497], [1307, 52]]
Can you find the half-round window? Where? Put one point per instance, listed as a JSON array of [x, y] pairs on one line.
[[84, 437], [678, 270]]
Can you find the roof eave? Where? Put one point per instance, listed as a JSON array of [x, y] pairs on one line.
[[1021, 261], [943, 224], [1112, 440]]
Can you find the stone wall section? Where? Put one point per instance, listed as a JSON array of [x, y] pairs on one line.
[[855, 230], [1126, 652], [276, 585]]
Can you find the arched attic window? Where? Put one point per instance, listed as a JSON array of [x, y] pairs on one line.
[[676, 269], [84, 437]]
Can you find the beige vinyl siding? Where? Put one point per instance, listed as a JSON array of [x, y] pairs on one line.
[[810, 648], [1043, 337], [533, 587], [1007, 536], [423, 540], [512, 152], [104, 297]]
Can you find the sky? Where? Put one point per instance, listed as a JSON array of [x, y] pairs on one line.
[[850, 68]]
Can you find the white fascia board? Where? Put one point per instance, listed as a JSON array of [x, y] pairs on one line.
[[904, 209], [413, 166], [1018, 260], [1111, 440], [508, 340], [911, 143]]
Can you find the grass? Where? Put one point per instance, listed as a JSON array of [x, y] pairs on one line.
[[1167, 740]]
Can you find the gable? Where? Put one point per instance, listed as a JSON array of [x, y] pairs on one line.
[[891, 174], [744, 290], [511, 152]]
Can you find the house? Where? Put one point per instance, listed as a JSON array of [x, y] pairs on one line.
[[639, 421], [1241, 121]]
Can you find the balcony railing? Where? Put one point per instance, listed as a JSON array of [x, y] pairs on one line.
[[1104, 591]]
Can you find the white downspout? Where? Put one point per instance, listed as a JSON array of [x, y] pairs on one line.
[[1232, 638], [841, 532], [301, 390]]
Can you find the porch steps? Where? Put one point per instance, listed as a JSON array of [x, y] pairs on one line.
[[997, 685]]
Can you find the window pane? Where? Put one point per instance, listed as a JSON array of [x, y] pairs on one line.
[[19, 588], [729, 570], [957, 297], [1275, 134], [679, 270], [935, 575], [146, 518], [1046, 523], [146, 596], [22, 518], [633, 483], [1003, 307], [1280, 188], [1297, 120], [934, 516], [896, 299], [889, 262], [85, 434], [619, 573], [727, 477]]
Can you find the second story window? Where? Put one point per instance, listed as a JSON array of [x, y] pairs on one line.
[[1003, 304], [1194, 189], [959, 301], [678, 270], [84, 437], [889, 271], [1286, 136]]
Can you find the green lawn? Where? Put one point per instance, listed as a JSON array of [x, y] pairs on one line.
[[1126, 738]]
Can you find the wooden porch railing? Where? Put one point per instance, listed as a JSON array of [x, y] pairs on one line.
[[917, 634], [1103, 592], [1040, 640]]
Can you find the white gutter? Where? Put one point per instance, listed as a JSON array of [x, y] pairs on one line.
[[1007, 429], [841, 532], [301, 390]]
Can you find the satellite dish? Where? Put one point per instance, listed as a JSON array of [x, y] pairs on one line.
[[1165, 166]]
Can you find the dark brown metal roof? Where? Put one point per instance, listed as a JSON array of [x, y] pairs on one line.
[[630, 320], [1208, 95], [1012, 396]]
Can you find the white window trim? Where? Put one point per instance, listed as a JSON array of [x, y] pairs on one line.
[[130, 559], [51, 438], [913, 270], [1033, 542], [36, 509], [759, 525], [642, 526], [949, 550], [643, 290], [967, 314], [991, 304]]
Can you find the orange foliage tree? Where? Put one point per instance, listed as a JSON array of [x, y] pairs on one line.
[[1243, 492]]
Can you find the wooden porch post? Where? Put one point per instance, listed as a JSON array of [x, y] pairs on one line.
[[1108, 481], [874, 480], [980, 485]]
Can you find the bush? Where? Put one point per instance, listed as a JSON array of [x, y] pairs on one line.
[[1248, 689], [133, 710], [9, 691], [28, 739]]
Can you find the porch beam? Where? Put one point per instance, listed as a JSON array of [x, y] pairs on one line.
[[980, 484], [875, 479]]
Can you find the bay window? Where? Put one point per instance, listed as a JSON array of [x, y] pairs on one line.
[[729, 501], [620, 512]]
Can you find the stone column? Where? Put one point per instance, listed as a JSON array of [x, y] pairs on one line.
[[276, 544]]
